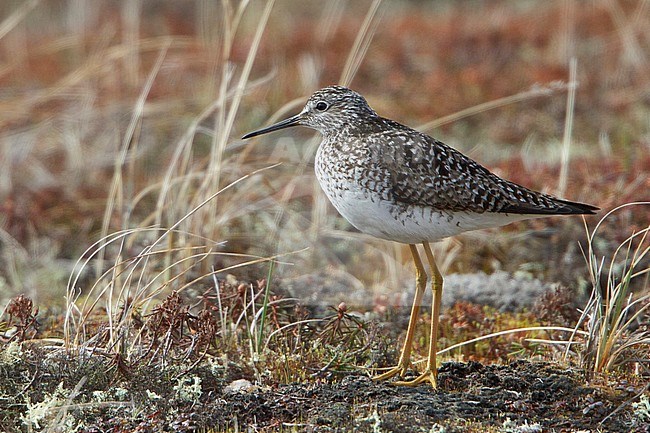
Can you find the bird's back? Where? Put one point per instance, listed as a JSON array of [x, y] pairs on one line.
[[427, 172]]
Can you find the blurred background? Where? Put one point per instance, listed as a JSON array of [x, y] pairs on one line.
[[121, 119]]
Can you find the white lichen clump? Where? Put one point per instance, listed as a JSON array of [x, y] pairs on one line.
[[38, 415], [11, 354], [642, 410], [188, 389]]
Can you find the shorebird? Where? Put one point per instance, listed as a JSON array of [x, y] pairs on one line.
[[395, 183]]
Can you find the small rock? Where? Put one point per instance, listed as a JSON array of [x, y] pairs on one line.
[[240, 386], [591, 407]]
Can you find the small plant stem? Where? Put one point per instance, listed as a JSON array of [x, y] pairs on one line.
[[260, 334]]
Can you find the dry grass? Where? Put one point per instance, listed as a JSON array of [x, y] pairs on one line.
[[616, 316], [152, 113], [124, 189]]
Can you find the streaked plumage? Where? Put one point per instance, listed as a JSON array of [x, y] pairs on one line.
[[395, 183]]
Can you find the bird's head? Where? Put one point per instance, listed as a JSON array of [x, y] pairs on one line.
[[328, 110]]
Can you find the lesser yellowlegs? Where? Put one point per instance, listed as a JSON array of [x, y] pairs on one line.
[[395, 183]]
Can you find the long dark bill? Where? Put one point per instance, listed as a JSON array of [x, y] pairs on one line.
[[286, 123]]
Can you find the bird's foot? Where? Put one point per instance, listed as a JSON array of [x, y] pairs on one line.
[[400, 369], [429, 375]]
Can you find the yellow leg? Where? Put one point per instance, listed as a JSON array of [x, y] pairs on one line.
[[420, 285], [430, 373]]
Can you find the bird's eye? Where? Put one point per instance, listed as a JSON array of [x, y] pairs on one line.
[[322, 106]]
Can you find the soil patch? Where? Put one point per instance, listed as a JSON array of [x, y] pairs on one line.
[[542, 396], [96, 395]]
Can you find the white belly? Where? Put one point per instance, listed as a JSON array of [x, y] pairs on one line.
[[414, 224]]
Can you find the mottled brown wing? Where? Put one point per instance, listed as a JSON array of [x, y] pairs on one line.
[[426, 172]]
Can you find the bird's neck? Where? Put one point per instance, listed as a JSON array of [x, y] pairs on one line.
[[355, 127]]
